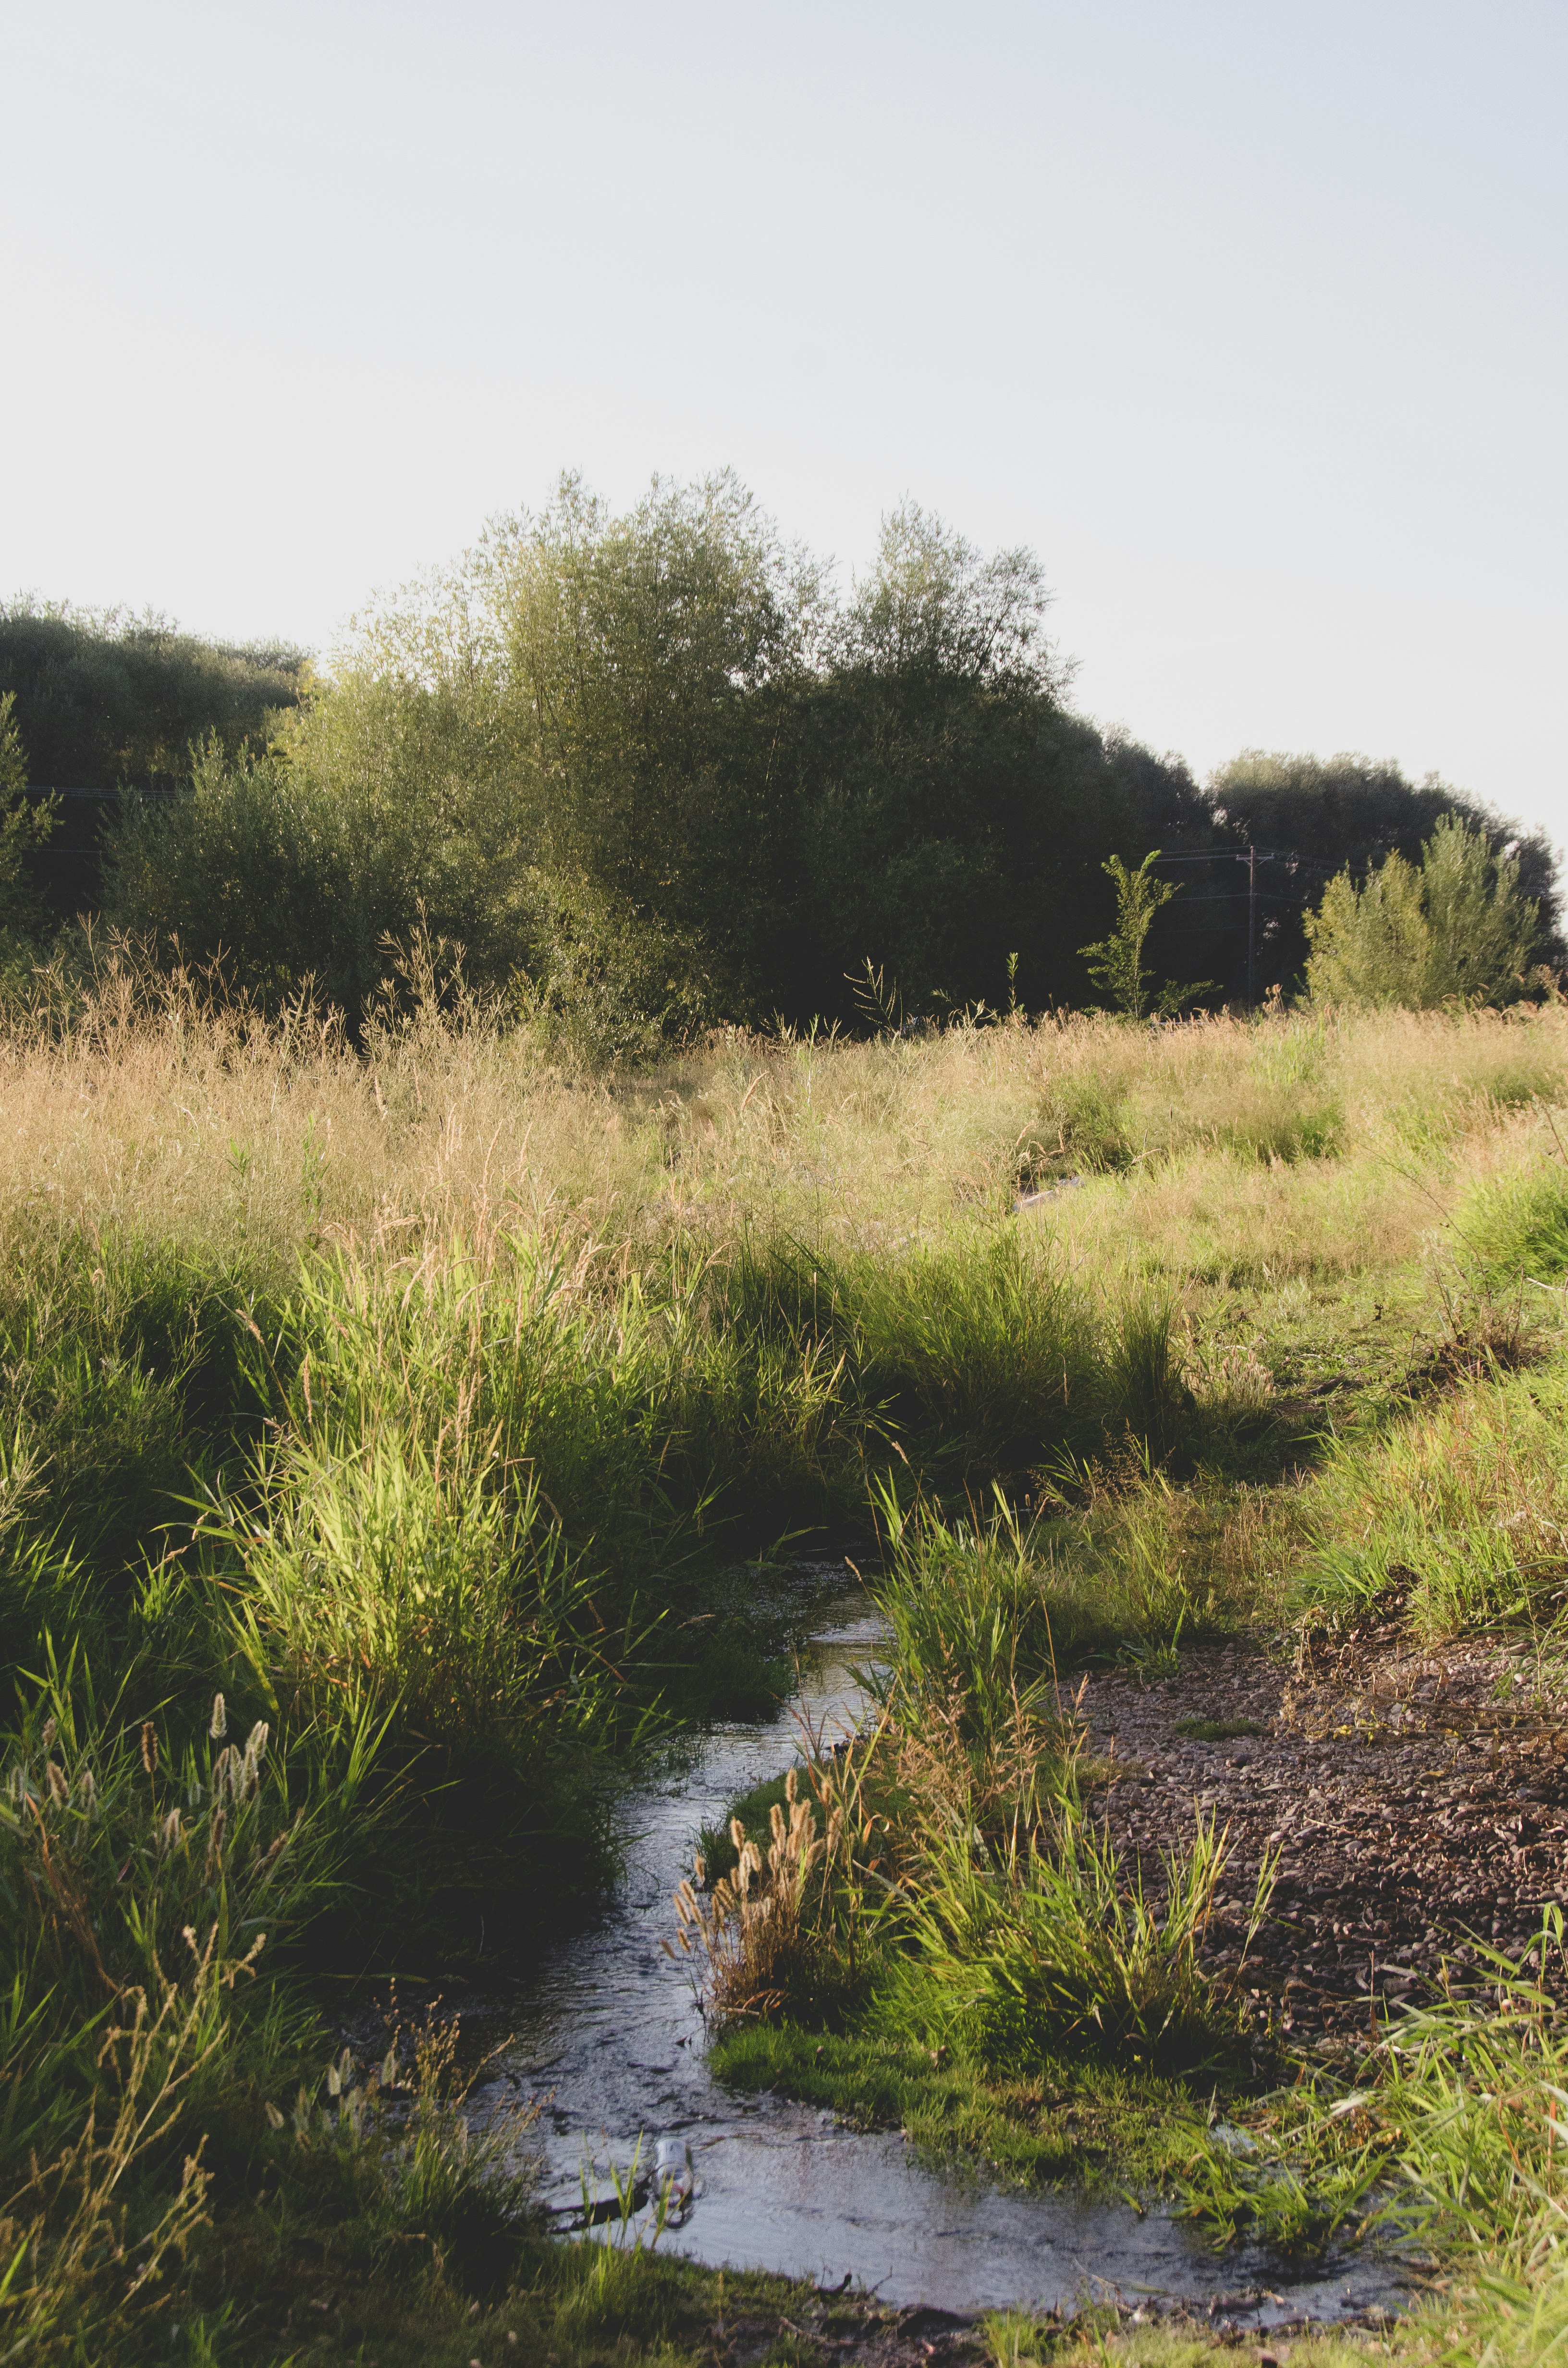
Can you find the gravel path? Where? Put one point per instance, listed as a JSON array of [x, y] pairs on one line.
[[1419, 1800]]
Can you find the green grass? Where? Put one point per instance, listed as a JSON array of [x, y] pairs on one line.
[[435, 1486], [1515, 1227], [1448, 1516], [1063, 2122], [396, 1571]]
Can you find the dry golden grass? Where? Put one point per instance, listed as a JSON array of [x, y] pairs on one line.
[[1215, 1152], [752, 1939]]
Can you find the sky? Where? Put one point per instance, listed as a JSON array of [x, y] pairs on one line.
[[1249, 317]]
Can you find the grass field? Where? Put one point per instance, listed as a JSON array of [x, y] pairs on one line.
[[373, 1419]]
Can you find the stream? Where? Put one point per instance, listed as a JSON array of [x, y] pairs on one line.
[[608, 2036]]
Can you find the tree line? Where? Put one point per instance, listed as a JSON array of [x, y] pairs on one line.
[[654, 770]]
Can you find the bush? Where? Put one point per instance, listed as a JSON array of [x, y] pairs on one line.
[[1454, 931]]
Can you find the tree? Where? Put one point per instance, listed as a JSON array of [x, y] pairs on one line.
[[937, 608], [649, 667], [25, 824], [1115, 963], [1452, 930], [951, 808], [107, 700], [103, 698], [1344, 811]]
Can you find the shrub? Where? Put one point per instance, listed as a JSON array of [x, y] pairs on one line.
[[1453, 930]]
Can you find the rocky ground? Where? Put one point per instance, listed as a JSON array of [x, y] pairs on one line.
[[1418, 1800], [854, 2330]]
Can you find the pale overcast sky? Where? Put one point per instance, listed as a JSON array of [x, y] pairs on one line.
[[1249, 317]]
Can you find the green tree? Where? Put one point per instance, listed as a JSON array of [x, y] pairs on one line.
[[650, 665], [1452, 930], [105, 697], [25, 824], [1344, 811], [950, 807], [106, 702], [1116, 962]]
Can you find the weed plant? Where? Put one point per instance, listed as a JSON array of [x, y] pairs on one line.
[[938, 1883]]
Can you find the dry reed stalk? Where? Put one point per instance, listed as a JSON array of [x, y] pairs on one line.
[[753, 1926]]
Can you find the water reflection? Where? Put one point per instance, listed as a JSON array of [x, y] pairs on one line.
[[608, 2033]]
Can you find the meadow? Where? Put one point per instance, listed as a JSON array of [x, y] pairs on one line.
[[378, 1418]]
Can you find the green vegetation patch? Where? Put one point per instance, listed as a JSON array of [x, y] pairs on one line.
[[1062, 2122], [1448, 1518]]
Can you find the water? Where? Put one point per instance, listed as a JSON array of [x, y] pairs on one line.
[[609, 2035]]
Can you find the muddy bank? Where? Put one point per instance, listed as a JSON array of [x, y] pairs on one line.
[[860, 2333], [607, 2034]]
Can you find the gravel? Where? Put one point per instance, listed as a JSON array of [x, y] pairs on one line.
[[1418, 1800]]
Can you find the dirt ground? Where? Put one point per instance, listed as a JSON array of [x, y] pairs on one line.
[[1418, 1798]]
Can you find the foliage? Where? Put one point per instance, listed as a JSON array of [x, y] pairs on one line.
[[1453, 1515], [784, 1931], [955, 1886], [1350, 812], [1115, 963], [25, 824], [1057, 1947], [651, 773], [1513, 1228], [1456, 930], [406, 1395], [279, 880], [103, 699], [73, 2268], [1445, 2134]]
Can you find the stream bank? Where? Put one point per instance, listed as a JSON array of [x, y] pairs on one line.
[[608, 2036]]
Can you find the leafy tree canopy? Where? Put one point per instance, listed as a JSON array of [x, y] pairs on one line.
[[104, 697], [1348, 811], [657, 768]]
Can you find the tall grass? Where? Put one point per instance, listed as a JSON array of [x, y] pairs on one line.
[[1452, 1517], [1002, 1601], [145, 1103], [1445, 2139], [399, 1395], [1057, 1948], [955, 1886]]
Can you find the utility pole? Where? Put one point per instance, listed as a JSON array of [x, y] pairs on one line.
[[1252, 858], [1252, 928]]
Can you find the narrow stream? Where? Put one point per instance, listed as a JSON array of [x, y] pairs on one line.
[[609, 2038]]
